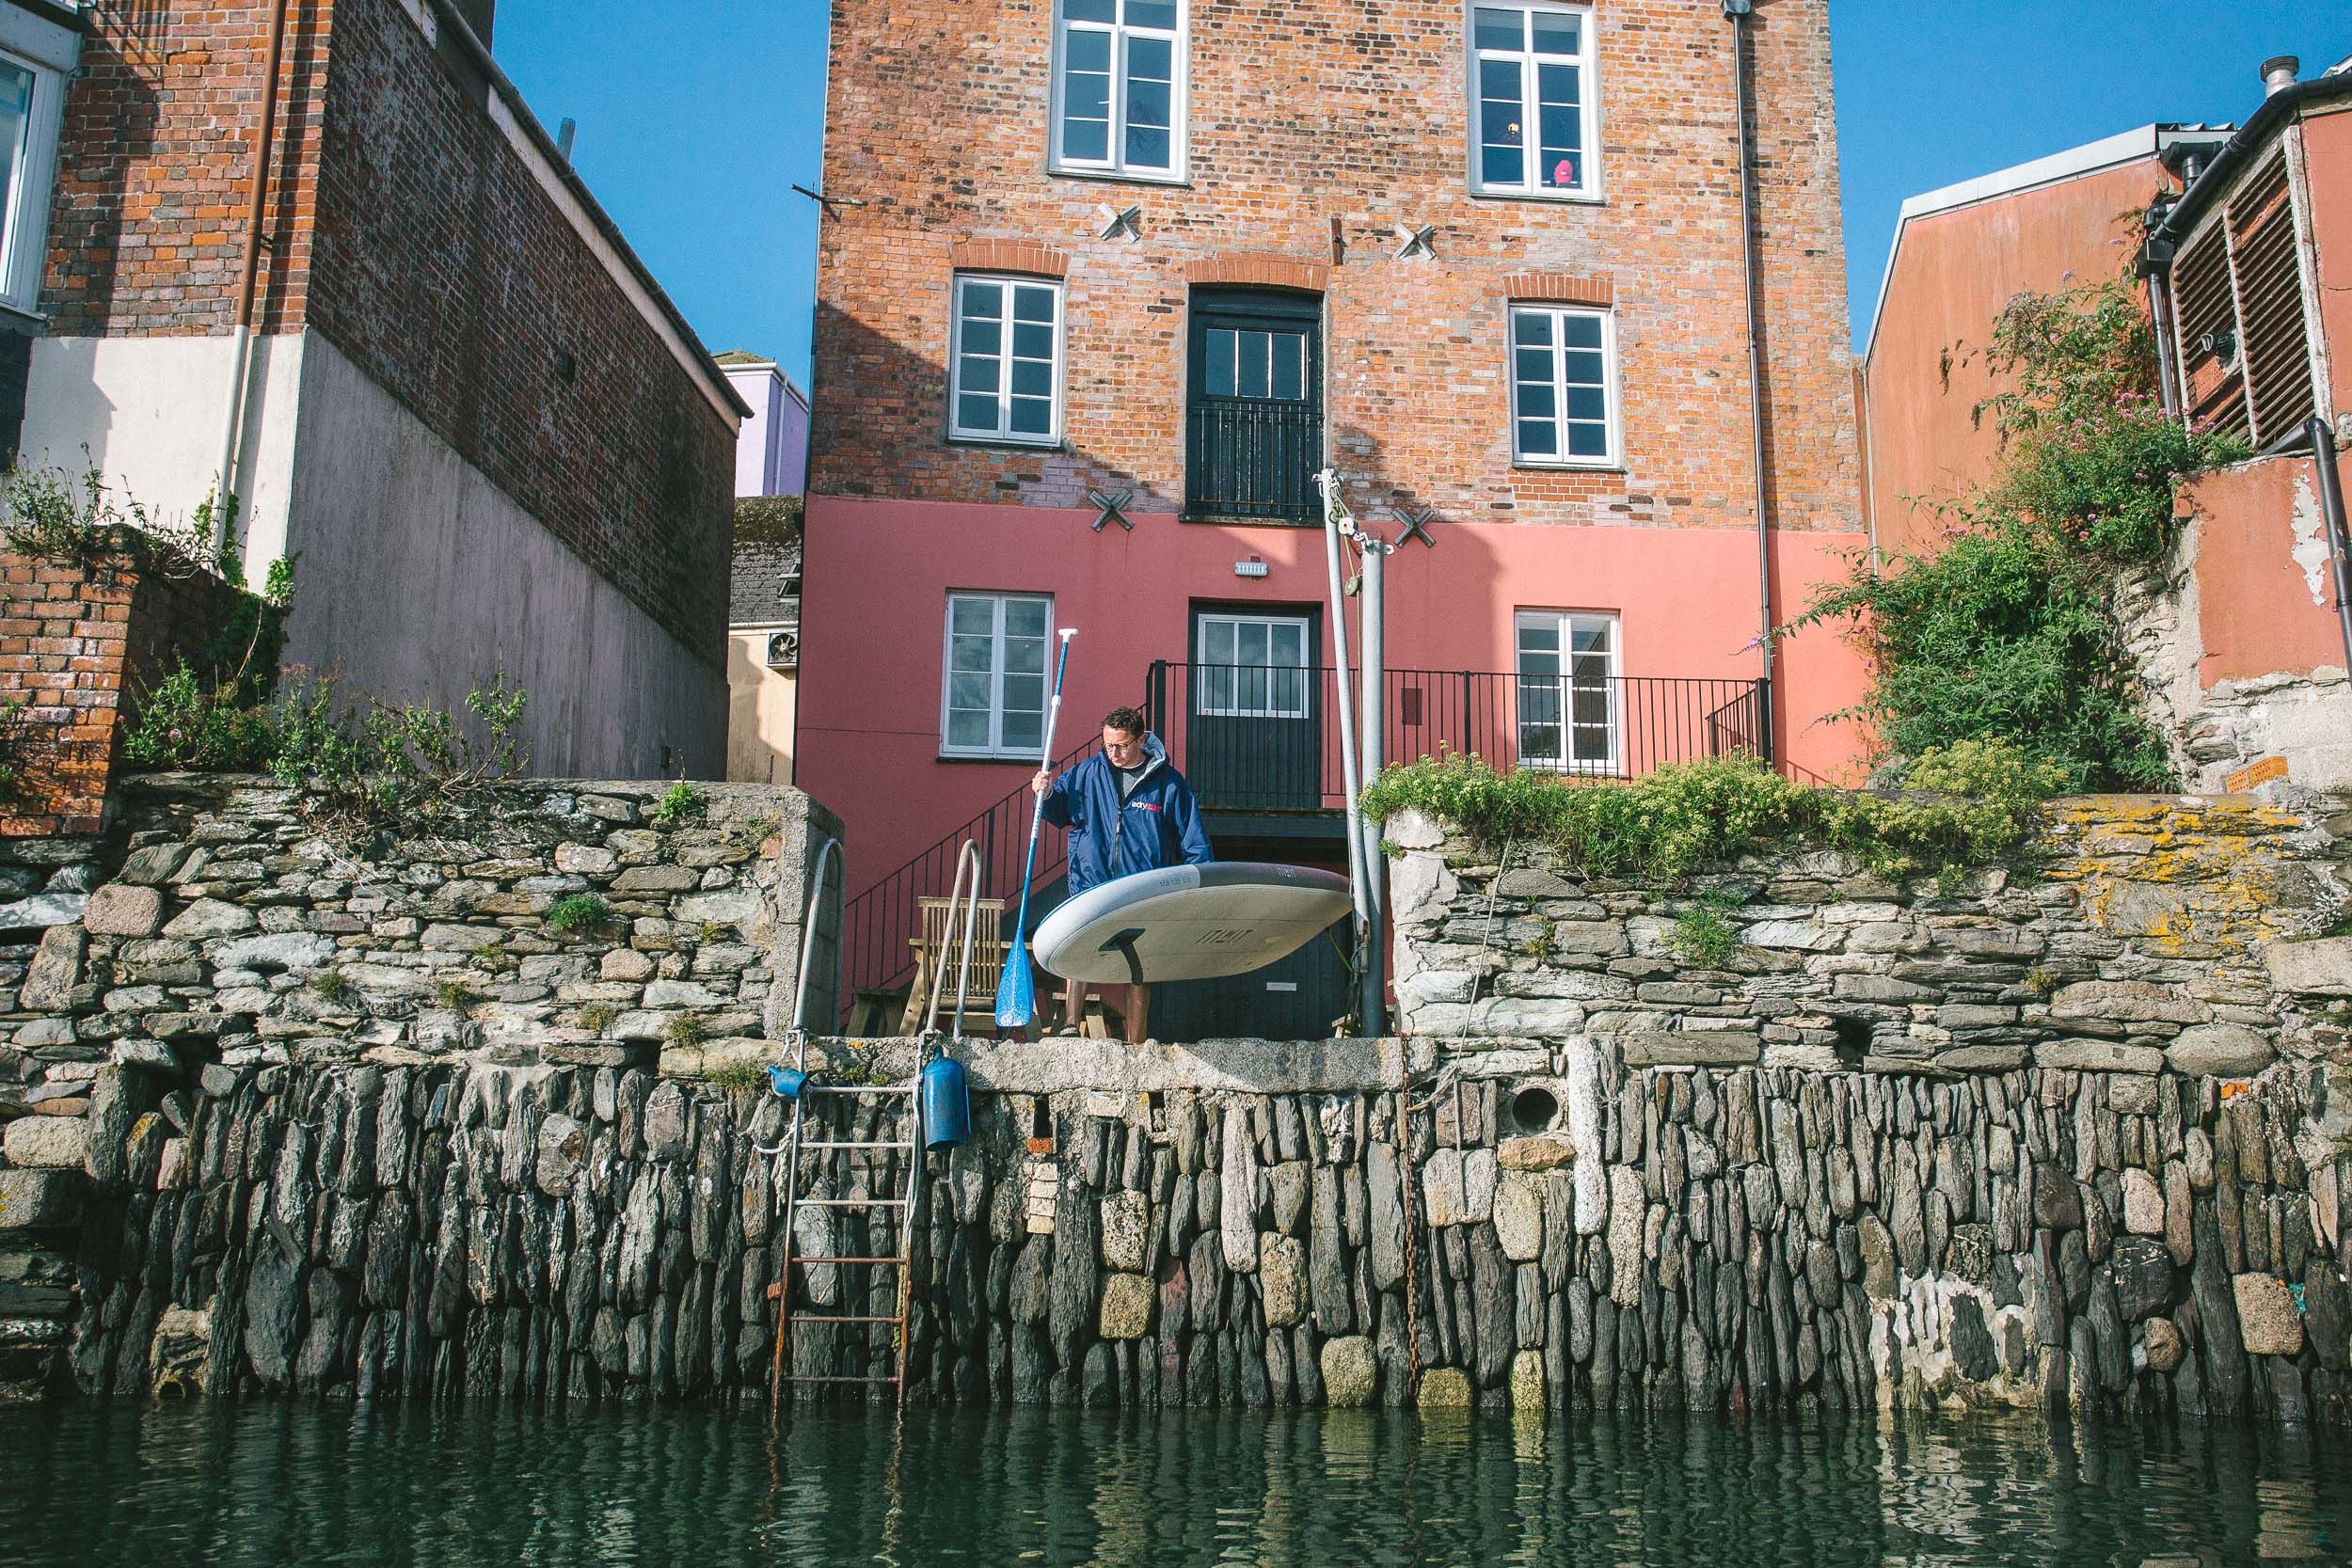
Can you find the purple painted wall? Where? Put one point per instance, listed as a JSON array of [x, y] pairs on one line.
[[772, 452]]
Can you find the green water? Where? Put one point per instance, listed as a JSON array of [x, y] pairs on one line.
[[454, 1488]]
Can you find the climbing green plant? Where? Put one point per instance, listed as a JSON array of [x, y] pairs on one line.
[[1687, 816], [2009, 629]]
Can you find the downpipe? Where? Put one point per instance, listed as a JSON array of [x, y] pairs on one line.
[[1738, 12], [2339, 535], [241, 348]]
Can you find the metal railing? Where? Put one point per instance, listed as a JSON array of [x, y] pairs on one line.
[[1250, 738], [877, 925], [1253, 460], [1253, 738]]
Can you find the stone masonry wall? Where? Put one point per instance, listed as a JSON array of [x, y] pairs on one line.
[[2114, 1189], [1557, 1230], [2141, 932]]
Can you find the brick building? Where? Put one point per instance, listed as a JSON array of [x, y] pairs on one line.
[[365, 294], [2239, 237], [1104, 282]]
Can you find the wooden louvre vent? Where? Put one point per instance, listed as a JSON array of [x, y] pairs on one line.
[[2245, 342]]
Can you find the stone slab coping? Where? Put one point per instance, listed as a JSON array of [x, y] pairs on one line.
[[1064, 1064]]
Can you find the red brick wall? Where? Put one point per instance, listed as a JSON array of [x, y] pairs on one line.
[[451, 278], [402, 226], [1307, 119], [155, 164], [78, 644]]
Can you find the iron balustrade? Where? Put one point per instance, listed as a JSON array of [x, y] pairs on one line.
[[877, 925], [1250, 459], [1251, 738]]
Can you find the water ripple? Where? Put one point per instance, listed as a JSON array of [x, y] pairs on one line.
[[478, 1487]]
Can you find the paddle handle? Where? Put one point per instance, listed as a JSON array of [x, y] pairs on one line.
[[1037, 809]]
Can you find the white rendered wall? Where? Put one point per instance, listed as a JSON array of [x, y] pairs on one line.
[[149, 413], [417, 574]]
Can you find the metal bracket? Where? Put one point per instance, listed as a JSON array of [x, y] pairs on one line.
[[1113, 508], [1416, 523], [1119, 222], [1419, 239]]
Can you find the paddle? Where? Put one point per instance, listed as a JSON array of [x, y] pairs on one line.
[[1016, 993]]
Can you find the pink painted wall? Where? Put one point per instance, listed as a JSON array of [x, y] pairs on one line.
[[2328, 153], [2266, 604], [1927, 371], [868, 724]]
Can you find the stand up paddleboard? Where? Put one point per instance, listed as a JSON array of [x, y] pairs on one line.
[[1189, 922]]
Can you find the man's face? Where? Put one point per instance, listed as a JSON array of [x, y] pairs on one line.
[[1123, 747]]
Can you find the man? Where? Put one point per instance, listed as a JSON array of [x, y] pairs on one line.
[[1127, 810]]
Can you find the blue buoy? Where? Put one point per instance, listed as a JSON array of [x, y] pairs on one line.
[[787, 1081], [946, 1104]]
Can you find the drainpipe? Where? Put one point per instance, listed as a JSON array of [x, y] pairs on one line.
[[1737, 12], [241, 349], [2339, 537]]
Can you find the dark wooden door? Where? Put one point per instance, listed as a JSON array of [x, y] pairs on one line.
[[1296, 998], [1253, 724], [1254, 407]]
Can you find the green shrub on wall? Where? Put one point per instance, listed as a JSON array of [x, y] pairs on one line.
[[2010, 631], [1690, 815]]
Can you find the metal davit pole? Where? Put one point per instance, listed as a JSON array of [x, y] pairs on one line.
[[1335, 518], [1373, 975]]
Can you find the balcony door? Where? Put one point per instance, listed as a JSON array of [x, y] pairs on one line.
[[1253, 417], [1253, 737]]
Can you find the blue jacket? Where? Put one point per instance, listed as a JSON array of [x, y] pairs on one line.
[[1159, 824]]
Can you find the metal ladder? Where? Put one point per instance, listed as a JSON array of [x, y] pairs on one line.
[[908, 1103]]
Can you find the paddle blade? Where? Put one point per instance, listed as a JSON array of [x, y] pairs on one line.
[[1016, 993]]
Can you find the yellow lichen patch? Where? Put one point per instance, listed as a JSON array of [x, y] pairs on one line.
[[2179, 877]]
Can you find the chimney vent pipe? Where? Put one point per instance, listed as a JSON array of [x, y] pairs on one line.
[[2278, 74]]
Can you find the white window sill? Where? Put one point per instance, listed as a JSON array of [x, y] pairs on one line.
[[1024, 759], [1023, 443], [1179, 177], [1572, 199], [1596, 465]]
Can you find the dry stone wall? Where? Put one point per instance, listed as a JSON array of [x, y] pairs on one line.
[[2139, 933], [227, 926], [1553, 1228], [2074, 1142]]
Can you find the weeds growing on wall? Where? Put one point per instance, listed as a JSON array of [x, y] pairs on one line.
[[51, 513], [576, 914], [1690, 815], [12, 749], [2009, 630]]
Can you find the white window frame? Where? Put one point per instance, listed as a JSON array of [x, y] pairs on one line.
[[1564, 624], [1613, 390], [957, 429], [1240, 708], [1530, 187], [1179, 98], [995, 749], [25, 224]]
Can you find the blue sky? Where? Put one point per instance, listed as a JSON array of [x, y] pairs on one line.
[[697, 117]]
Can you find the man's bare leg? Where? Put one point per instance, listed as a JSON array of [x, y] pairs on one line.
[[1138, 1014], [1073, 1001]]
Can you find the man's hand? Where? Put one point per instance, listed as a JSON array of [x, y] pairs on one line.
[[1043, 781]]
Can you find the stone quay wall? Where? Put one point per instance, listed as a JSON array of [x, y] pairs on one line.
[[226, 926], [2089, 1160], [1555, 1229]]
